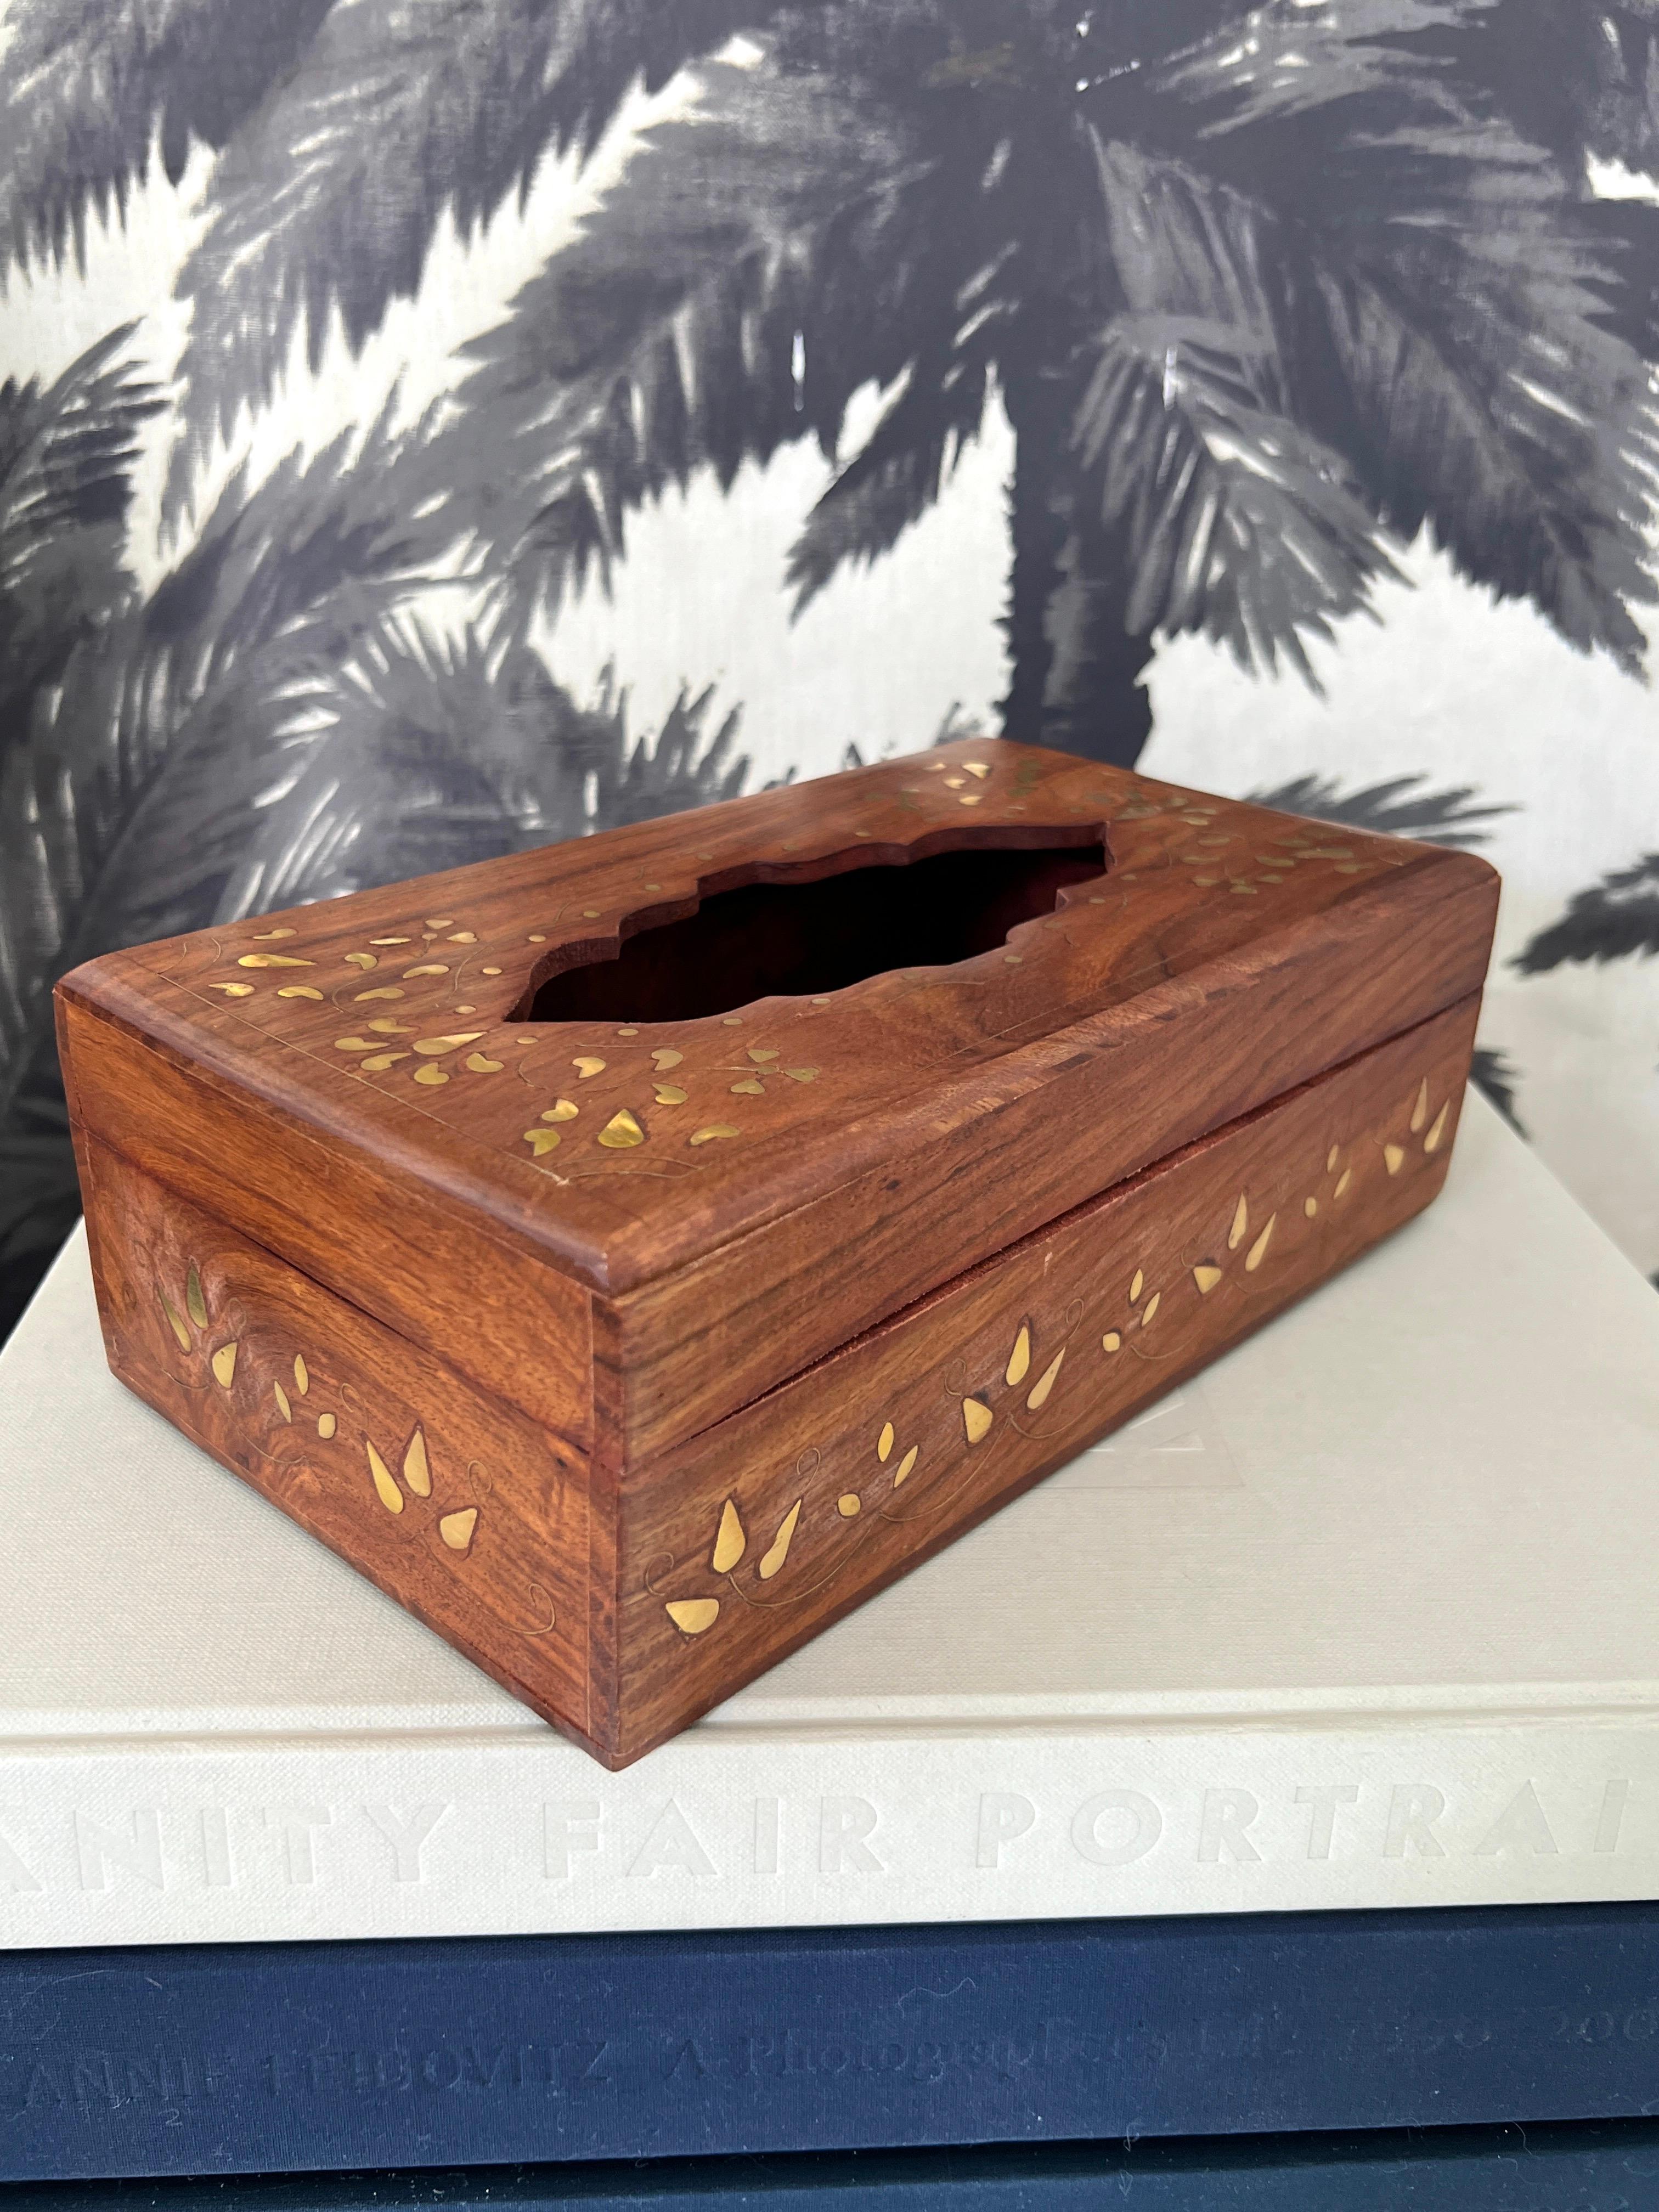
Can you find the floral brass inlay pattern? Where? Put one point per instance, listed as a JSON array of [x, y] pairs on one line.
[[1058, 1353], [457, 1528]]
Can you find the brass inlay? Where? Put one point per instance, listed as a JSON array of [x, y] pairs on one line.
[[586, 1066], [353, 1044], [427, 968], [195, 1303], [1111, 1341], [456, 1037], [621, 1132], [1020, 1357], [456, 1529], [285, 990], [978, 768], [382, 1060], [325, 1425], [1207, 1275], [670, 1094], [802, 1074], [760, 1054], [1421, 1106], [849, 1505], [729, 1542], [302, 1377], [905, 1465], [385, 1026], [976, 1418], [693, 1614], [562, 1110], [363, 960], [386, 1489], [1258, 1251], [481, 1064], [265, 936], [885, 1443], [391, 940], [779, 1550], [541, 1140], [1342, 1182], [379, 990], [1392, 1157], [665, 1057], [1039, 1397], [1436, 1129], [1137, 1285], [1153, 1305], [273, 960], [282, 1406], [1330, 1160], [417, 1470], [749, 1088], [430, 1074], [244, 990], [1241, 1222], [714, 1129], [173, 1322], [224, 1364]]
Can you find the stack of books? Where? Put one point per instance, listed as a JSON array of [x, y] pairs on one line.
[[1288, 1762]]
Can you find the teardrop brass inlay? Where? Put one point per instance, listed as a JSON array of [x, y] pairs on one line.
[[779, 1550], [386, 1489], [224, 1364], [1020, 1359], [417, 1471], [1039, 1397], [621, 1132], [1258, 1251], [730, 1543], [456, 1529]]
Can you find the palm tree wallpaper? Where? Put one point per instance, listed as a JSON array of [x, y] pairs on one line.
[[429, 427]]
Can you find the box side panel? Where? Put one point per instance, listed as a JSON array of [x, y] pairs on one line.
[[741, 1544], [361, 1224], [456, 1505], [1021, 1142]]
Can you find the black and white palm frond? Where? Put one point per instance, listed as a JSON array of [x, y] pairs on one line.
[[1581, 76], [1401, 807], [92, 89], [326, 203], [1495, 1078], [1614, 920], [67, 453], [678, 329], [1446, 313], [427, 751], [138, 773]]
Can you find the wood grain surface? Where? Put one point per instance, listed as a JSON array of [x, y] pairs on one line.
[[623, 1142]]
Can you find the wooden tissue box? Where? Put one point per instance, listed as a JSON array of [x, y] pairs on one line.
[[632, 1255]]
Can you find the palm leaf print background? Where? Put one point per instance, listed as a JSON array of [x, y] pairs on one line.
[[434, 427]]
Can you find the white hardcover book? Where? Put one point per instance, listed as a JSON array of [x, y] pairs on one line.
[[1367, 1616]]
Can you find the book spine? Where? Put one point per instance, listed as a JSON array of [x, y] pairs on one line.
[[1606, 2168], [350, 2057], [299, 1839]]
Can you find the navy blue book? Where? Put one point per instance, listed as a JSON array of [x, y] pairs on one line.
[[1610, 2166], [341, 2057]]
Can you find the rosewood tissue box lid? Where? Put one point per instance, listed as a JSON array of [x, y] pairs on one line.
[[760, 1074]]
